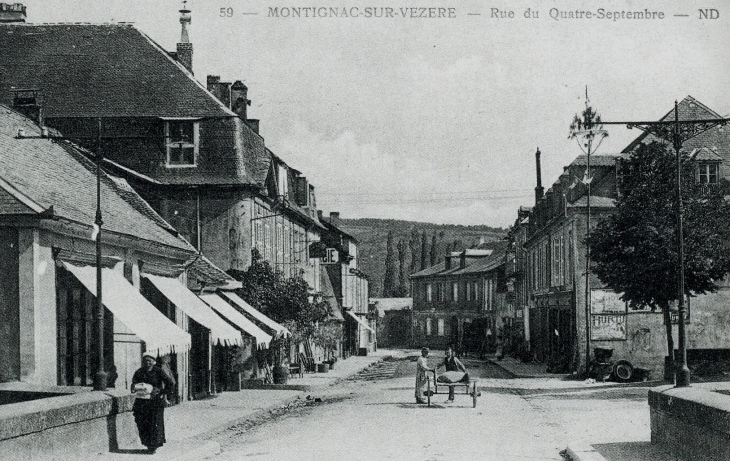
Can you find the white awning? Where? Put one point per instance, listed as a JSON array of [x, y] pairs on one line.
[[280, 330], [160, 335], [360, 321], [222, 307], [220, 331]]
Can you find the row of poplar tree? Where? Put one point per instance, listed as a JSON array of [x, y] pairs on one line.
[[406, 258]]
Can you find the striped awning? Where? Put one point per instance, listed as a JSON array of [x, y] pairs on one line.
[[220, 331], [160, 335], [228, 312]]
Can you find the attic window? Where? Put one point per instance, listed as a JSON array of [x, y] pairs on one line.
[[181, 139], [709, 172]]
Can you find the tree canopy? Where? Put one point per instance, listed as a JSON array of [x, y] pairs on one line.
[[286, 301], [634, 250]]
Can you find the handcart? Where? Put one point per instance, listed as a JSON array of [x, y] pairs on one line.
[[468, 387]]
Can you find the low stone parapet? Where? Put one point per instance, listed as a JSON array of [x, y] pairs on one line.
[[693, 423], [76, 423]]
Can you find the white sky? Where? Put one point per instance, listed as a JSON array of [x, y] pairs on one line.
[[437, 119]]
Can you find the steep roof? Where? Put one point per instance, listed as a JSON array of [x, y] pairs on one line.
[[688, 109], [104, 70], [44, 174]]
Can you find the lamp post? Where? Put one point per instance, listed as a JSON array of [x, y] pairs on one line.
[[677, 132], [100, 375], [586, 131]]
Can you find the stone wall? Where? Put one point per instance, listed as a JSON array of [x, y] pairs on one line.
[[78, 425], [692, 423]]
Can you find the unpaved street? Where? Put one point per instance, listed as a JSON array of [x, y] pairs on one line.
[[375, 418]]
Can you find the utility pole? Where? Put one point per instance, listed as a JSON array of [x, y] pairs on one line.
[[587, 130]]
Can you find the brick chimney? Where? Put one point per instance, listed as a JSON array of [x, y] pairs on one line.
[[12, 13], [221, 90], [334, 217], [539, 191], [239, 99], [185, 48]]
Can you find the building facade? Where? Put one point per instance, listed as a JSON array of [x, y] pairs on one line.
[[566, 321], [462, 301]]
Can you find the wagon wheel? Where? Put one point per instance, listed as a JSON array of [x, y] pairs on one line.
[[623, 370], [428, 391], [474, 395]]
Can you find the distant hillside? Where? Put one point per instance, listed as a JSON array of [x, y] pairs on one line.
[[372, 235]]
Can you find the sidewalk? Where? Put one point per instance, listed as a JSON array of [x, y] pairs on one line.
[[186, 424]]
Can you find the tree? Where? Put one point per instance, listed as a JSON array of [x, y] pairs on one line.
[[434, 250], [415, 244], [634, 250], [424, 251], [390, 279], [284, 300], [401, 291]]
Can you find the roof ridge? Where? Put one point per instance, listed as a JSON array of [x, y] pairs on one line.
[[187, 73]]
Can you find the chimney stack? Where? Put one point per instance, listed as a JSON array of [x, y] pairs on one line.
[[185, 48], [12, 13], [539, 191], [334, 217]]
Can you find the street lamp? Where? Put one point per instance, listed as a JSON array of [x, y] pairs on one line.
[[587, 131], [100, 375], [678, 131]]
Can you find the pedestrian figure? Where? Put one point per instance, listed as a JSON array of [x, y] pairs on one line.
[[451, 363], [422, 369], [151, 386]]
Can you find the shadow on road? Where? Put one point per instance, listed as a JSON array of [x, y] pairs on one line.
[[631, 451]]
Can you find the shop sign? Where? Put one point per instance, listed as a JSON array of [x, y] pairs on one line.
[[607, 327]]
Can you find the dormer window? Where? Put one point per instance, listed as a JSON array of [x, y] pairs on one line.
[[182, 141], [709, 172]]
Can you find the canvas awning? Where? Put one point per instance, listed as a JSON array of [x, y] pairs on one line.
[[160, 335], [220, 331], [360, 321], [222, 307], [279, 329]]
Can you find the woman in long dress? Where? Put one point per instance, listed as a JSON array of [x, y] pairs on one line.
[[151, 386], [422, 369]]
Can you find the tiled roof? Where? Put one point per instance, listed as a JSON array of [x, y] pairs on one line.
[[202, 273], [596, 202], [109, 70], [689, 109], [473, 265], [56, 174], [596, 160], [704, 154]]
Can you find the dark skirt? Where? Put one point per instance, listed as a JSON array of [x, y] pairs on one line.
[[150, 418]]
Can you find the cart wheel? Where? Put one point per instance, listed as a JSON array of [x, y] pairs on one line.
[[474, 394], [428, 391], [623, 370]]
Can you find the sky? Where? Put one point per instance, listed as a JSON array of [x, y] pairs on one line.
[[438, 119]]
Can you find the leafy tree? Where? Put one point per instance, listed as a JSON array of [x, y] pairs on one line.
[[286, 301], [634, 250]]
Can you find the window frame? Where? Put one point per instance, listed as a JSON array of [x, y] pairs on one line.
[[178, 144], [703, 169]]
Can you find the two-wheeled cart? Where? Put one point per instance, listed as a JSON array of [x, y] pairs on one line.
[[468, 387]]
